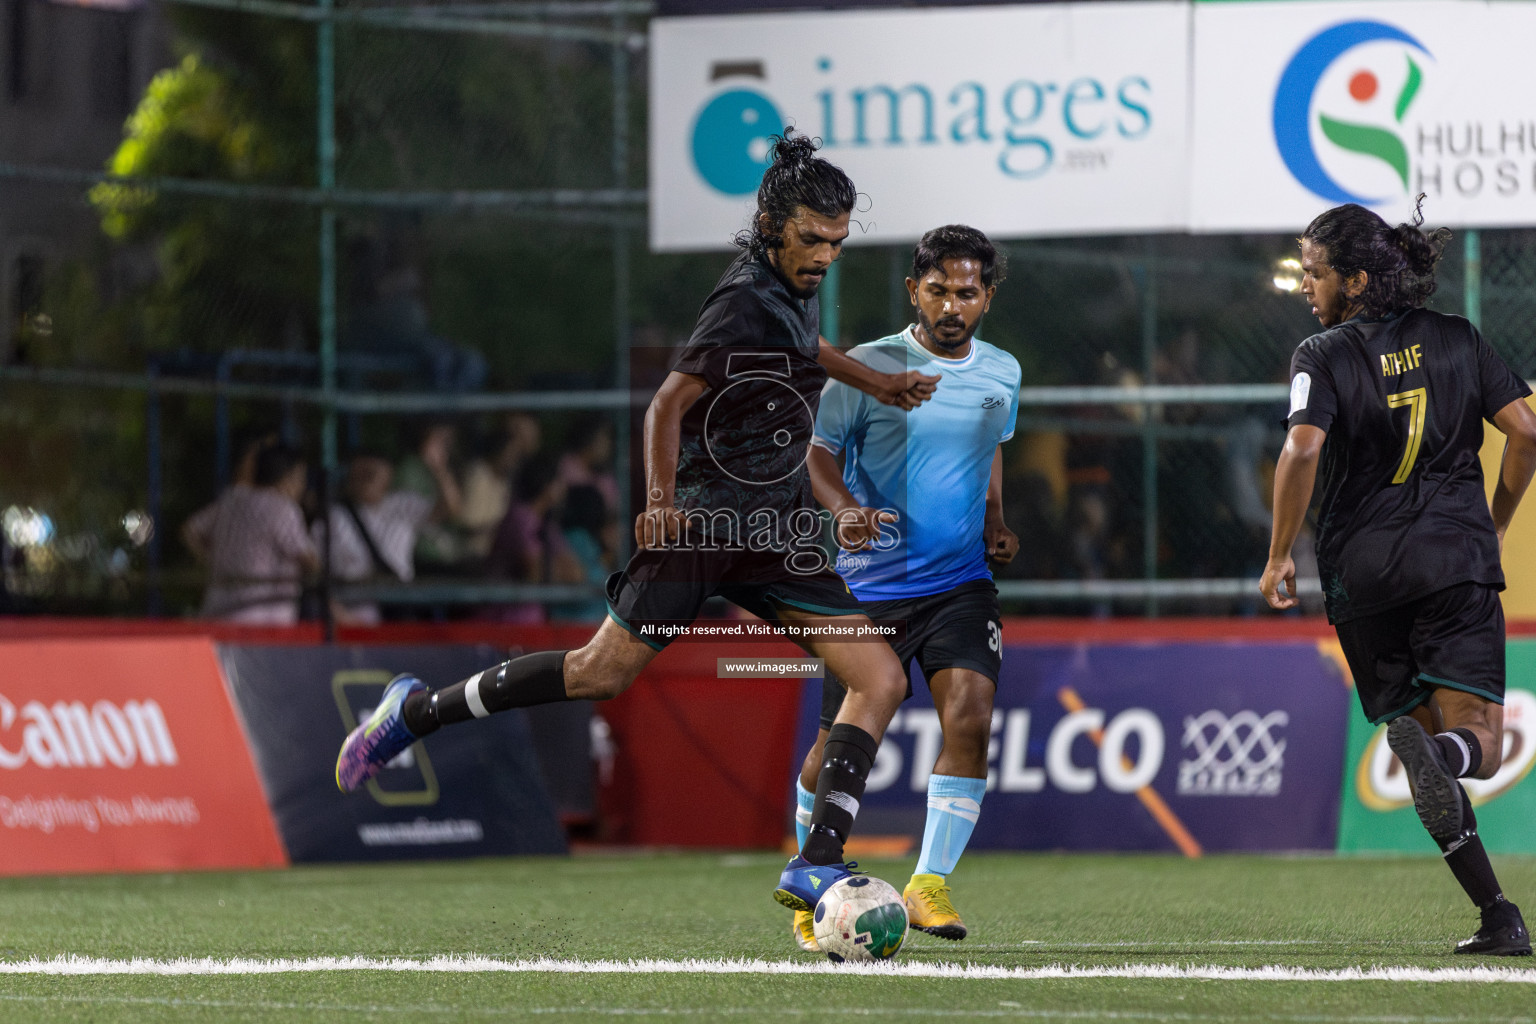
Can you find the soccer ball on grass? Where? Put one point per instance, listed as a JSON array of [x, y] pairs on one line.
[[861, 918]]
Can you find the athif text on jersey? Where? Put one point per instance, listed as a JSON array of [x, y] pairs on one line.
[[1394, 363]]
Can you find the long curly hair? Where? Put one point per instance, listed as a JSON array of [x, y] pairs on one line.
[[1399, 262], [796, 177]]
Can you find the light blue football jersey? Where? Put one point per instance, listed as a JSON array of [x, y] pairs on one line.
[[931, 465]]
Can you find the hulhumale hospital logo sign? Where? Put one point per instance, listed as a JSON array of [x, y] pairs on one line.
[[731, 135], [1364, 117]]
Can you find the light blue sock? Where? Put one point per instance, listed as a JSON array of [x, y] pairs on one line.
[[954, 804], [804, 801]]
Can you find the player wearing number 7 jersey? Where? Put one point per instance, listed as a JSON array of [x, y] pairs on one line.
[[1391, 398]]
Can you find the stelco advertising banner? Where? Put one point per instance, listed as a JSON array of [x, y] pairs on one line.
[[1378, 811], [1299, 107], [1031, 120], [124, 755], [1178, 747]]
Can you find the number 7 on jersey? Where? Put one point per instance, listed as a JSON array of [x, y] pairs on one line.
[[1417, 402]]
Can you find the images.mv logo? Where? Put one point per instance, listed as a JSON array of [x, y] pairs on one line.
[[1027, 127]]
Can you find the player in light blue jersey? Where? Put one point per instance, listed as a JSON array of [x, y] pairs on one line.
[[918, 511]]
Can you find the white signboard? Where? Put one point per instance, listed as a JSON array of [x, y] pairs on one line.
[[1046, 119], [1299, 107]]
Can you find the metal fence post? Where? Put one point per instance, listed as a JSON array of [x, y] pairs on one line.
[[154, 497], [1152, 415], [1472, 248], [222, 446], [621, 283], [325, 64], [829, 299]]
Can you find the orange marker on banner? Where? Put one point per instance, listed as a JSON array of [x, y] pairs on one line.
[[1149, 797]]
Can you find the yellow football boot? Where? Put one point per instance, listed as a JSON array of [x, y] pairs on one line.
[[929, 909], [804, 931]]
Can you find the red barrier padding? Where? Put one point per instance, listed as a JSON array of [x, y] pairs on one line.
[[26, 627], [125, 755], [701, 761]]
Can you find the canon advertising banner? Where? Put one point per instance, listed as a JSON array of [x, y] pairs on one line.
[[1378, 811], [1301, 107], [1176, 747], [124, 755], [1040, 120]]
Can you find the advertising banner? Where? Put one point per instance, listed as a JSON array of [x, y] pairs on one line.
[[1301, 107], [1377, 814], [1036, 120], [469, 792], [1189, 747], [124, 755]]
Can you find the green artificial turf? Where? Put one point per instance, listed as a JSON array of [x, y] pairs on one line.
[[1024, 911]]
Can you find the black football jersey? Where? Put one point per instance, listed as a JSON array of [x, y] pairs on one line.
[[743, 444], [1404, 511]]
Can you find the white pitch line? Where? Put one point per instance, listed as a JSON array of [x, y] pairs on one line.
[[1174, 944], [1005, 1011], [78, 965], [1164, 947]]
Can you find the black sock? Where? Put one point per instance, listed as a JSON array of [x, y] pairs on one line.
[[1471, 757], [850, 754], [519, 683], [1468, 861]]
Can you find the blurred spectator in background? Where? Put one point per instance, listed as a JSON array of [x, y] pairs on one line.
[[529, 546], [488, 481], [588, 459], [390, 317], [428, 472], [592, 534], [1101, 476], [1035, 502], [248, 445], [1179, 362], [374, 528], [9, 564], [1212, 513], [254, 544]]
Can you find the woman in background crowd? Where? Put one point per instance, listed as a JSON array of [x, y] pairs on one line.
[[254, 544]]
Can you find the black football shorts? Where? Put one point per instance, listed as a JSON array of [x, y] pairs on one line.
[[1453, 638], [660, 591], [958, 628]]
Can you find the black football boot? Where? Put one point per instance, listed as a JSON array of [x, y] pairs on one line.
[[1503, 933]]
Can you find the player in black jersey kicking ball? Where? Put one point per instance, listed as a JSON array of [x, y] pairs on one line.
[[1391, 398], [729, 511]]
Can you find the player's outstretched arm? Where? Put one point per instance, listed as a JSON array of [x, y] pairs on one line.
[[660, 522], [854, 526], [1002, 543], [908, 390], [1518, 424], [1295, 476]]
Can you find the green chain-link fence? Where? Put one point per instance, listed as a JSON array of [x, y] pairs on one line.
[[475, 247]]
